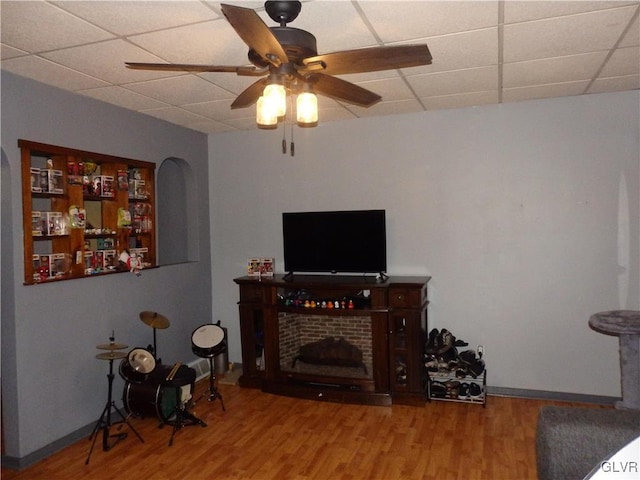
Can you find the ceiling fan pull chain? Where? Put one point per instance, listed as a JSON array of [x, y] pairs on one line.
[[284, 140], [293, 146]]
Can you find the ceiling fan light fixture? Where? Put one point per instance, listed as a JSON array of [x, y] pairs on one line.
[[307, 109], [265, 116]]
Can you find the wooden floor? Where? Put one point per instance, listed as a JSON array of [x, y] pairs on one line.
[[263, 436]]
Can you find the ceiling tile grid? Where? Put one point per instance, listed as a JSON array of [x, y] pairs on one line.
[[484, 52]]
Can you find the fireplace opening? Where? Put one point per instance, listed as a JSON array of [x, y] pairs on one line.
[[319, 348], [330, 351]]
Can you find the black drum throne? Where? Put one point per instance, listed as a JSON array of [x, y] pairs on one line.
[[208, 341]]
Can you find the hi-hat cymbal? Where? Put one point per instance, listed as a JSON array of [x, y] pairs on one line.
[[154, 320], [112, 355], [112, 346]]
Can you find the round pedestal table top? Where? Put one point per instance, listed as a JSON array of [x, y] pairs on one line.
[[616, 322]]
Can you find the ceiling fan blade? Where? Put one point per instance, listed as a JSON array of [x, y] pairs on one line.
[[255, 33], [250, 95], [342, 90], [371, 59], [186, 67]]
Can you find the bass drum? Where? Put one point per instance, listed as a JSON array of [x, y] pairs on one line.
[[208, 341], [151, 397]]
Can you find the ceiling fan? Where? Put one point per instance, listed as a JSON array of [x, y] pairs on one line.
[[288, 57]]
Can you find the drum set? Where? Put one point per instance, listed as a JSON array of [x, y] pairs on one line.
[[154, 389]]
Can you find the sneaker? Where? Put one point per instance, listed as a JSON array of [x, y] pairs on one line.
[[475, 390], [464, 390]]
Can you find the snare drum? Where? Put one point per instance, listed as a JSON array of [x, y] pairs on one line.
[[208, 341], [137, 365], [152, 397]]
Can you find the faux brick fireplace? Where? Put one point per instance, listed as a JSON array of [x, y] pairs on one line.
[[298, 329]]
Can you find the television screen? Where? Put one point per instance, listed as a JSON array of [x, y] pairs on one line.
[[338, 242]]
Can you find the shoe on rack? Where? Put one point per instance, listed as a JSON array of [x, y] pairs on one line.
[[464, 390], [431, 364], [438, 390], [476, 368], [453, 389], [445, 341], [475, 390], [431, 348], [449, 355], [468, 357]]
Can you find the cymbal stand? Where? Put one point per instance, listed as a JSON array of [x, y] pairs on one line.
[[104, 423], [154, 349], [212, 390]]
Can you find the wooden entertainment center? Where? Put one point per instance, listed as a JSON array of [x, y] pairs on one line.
[[383, 322]]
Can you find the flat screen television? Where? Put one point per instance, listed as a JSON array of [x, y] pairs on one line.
[[337, 242]]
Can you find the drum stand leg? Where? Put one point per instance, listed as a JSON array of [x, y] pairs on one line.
[[183, 417], [104, 422], [212, 390]]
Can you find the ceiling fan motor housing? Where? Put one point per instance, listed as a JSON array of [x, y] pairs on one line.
[[298, 44]]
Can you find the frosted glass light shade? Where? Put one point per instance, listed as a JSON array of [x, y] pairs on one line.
[[307, 109], [265, 116], [276, 98]]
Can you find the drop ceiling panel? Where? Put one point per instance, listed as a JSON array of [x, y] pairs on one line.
[[51, 73], [123, 97], [459, 81], [104, 60], [40, 26], [180, 90], [458, 51], [460, 100], [388, 108], [400, 21], [208, 43], [544, 91], [132, 17], [565, 35], [624, 61], [552, 70], [525, 11]]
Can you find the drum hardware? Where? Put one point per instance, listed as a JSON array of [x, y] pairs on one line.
[[155, 321], [112, 345], [104, 423], [166, 393], [176, 378], [207, 341]]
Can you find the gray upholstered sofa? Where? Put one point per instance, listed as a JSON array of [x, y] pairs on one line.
[[571, 441]]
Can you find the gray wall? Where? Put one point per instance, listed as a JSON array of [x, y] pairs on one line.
[[52, 384], [525, 214]]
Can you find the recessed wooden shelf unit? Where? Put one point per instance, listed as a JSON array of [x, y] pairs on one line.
[[81, 210]]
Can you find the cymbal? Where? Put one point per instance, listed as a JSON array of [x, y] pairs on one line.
[[154, 320], [112, 355], [112, 346]]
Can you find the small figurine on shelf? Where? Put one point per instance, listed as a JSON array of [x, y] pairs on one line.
[[129, 262]]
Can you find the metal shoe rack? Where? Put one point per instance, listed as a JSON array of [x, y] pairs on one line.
[[462, 390]]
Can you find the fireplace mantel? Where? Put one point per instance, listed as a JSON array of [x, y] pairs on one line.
[[394, 312]]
